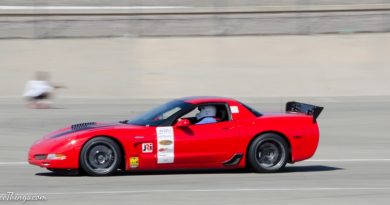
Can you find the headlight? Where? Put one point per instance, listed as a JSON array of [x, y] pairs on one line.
[[56, 156]]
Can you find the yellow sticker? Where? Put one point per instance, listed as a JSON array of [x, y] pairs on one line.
[[134, 162]]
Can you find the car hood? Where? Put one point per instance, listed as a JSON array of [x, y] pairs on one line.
[[80, 127]]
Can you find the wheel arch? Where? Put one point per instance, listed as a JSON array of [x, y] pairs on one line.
[[123, 162]]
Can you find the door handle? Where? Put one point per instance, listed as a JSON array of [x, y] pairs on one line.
[[227, 128]]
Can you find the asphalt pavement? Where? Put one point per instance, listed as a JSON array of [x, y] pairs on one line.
[[351, 166]]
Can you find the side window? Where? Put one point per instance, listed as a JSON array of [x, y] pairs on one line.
[[222, 113], [191, 114]]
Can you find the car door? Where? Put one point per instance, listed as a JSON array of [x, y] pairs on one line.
[[206, 143]]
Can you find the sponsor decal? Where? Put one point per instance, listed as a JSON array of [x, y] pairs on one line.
[[147, 147], [162, 149], [165, 142], [234, 109], [165, 145], [134, 162]]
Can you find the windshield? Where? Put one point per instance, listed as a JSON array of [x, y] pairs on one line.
[[161, 113]]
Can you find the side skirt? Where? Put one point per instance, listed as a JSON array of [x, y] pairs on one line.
[[235, 160]]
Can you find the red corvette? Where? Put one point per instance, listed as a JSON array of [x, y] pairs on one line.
[[175, 136]]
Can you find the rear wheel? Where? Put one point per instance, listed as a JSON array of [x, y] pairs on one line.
[[100, 156], [268, 153]]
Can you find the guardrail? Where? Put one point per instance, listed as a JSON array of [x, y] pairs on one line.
[[181, 10], [146, 21]]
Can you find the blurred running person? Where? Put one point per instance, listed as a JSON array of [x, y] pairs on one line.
[[39, 91]]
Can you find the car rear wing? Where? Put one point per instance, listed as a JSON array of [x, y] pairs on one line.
[[308, 109]]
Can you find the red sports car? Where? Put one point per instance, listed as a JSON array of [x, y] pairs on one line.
[[186, 133]]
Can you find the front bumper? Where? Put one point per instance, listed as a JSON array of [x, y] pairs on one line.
[[38, 154], [52, 164]]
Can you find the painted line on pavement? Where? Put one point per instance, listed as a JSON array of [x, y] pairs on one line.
[[310, 160], [175, 191]]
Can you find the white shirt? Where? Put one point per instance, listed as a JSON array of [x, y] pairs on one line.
[[35, 88]]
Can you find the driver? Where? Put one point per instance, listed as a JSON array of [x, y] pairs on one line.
[[206, 115]]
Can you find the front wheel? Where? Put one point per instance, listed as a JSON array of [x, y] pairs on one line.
[[268, 153], [100, 156]]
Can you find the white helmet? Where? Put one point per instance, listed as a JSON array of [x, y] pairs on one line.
[[206, 111]]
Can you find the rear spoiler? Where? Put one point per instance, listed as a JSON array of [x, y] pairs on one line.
[[304, 108]]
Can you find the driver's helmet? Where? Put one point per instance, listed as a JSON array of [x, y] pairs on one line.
[[206, 111]]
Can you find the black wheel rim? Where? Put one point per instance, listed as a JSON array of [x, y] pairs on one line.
[[101, 157], [270, 154]]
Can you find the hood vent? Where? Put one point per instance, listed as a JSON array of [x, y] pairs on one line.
[[83, 125]]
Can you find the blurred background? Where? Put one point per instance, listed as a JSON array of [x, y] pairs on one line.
[[164, 49]]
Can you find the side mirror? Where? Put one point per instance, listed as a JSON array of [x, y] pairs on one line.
[[182, 123]]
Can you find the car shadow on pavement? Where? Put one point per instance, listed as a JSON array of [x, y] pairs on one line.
[[309, 168], [288, 169]]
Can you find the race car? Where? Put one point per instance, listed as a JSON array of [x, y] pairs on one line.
[[171, 137]]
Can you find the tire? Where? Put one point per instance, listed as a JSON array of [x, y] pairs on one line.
[[268, 153], [100, 156]]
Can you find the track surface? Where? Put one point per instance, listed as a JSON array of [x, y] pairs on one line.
[[351, 166]]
